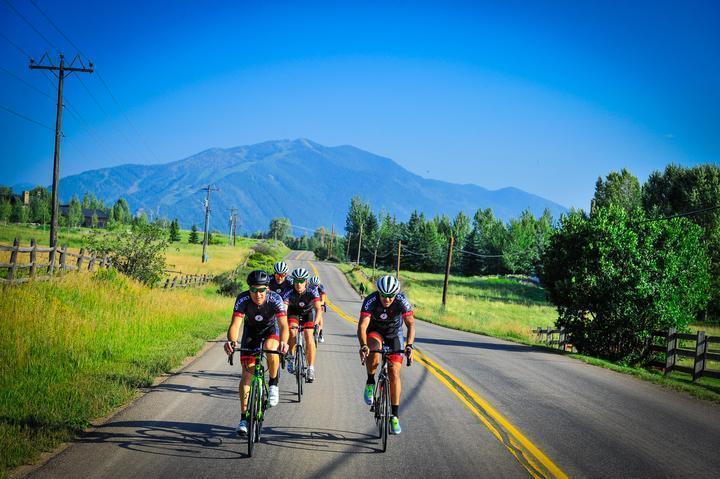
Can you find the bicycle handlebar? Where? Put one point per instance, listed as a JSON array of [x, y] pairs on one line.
[[386, 352], [254, 352], [303, 328]]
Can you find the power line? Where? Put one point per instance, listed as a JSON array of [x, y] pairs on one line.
[[12, 7], [57, 28], [681, 215], [26, 83], [18, 47], [27, 118]]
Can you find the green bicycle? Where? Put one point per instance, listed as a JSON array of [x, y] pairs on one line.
[[381, 398], [258, 399]]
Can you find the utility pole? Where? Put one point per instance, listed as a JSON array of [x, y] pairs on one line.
[[447, 270], [347, 250], [208, 188], [377, 244], [397, 273], [62, 72], [235, 222], [331, 242], [359, 244], [233, 219]]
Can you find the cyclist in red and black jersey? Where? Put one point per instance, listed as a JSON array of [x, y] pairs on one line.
[[301, 301], [262, 315], [381, 319], [280, 283]]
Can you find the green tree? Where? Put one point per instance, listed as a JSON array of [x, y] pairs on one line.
[[487, 238], [19, 213], [194, 238], [622, 189], [357, 215], [94, 220], [615, 277], [40, 205], [280, 228], [120, 212], [75, 213], [174, 231], [5, 210], [680, 190]]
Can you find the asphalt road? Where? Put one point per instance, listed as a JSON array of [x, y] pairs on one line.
[[475, 407]]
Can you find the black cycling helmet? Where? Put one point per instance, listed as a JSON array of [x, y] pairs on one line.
[[258, 277]]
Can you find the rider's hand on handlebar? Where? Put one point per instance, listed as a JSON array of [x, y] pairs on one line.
[[409, 354], [229, 347], [283, 348], [364, 352]]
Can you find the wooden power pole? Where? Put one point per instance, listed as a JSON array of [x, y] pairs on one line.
[[447, 270], [62, 71], [397, 272], [208, 188]]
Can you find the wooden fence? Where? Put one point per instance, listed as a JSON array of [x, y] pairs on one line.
[[59, 262], [698, 348], [554, 338], [184, 280]]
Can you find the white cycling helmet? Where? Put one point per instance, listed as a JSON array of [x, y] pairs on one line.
[[315, 280], [281, 267], [388, 285], [300, 273]]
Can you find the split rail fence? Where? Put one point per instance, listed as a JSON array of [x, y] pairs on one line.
[[59, 262], [702, 350]]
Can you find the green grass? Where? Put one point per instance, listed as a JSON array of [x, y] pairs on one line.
[[74, 349], [507, 309], [498, 307]]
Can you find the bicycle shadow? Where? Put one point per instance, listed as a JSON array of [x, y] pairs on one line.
[[170, 438], [331, 441]]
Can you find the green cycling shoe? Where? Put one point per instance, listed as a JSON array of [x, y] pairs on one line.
[[395, 425], [368, 394]]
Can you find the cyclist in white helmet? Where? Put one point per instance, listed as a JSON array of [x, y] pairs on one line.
[[301, 301], [320, 288], [280, 283], [381, 318]]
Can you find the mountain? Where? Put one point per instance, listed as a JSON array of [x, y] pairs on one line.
[[307, 182]]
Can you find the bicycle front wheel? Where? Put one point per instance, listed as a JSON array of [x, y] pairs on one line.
[[299, 356], [253, 403], [384, 415]]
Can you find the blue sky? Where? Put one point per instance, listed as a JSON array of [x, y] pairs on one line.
[[543, 96]]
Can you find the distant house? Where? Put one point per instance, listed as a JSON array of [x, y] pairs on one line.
[[102, 217]]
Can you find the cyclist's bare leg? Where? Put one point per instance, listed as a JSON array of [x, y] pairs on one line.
[[273, 360], [244, 388], [395, 385], [292, 341], [373, 360], [309, 347]]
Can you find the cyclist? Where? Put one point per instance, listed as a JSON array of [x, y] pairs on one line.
[[317, 285], [280, 283], [381, 318], [263, 317], [301, 301]]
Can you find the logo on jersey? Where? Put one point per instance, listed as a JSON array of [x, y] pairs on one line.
[[279, 289], [383, 316], [258, 317], [302, 303]]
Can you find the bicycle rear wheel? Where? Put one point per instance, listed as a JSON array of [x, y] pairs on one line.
[[384, 414], [298, 370]]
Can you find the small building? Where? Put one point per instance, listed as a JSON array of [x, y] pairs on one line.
[[102, 217]]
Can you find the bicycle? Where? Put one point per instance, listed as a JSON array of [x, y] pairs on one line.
[[258, 399], [300, 367], [381, 396]]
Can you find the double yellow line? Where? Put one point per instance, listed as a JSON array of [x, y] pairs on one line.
[[528, 454]]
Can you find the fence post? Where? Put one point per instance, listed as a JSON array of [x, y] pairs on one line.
[[172, 285], [51, 260], [81, 257], [700, 350], [104, 263], [561, 338], [91, 264], [33, 257], [670, 352], [13, 260], [63, 259]]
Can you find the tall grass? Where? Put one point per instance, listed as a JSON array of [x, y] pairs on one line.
[[488, 305], [75, 348]]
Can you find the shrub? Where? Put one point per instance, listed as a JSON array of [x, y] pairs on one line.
[[617, 276]]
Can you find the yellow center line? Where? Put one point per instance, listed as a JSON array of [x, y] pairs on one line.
[[528, 454]]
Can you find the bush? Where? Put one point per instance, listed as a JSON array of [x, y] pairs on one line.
[[617, 276], [136, 251], [264, 257]]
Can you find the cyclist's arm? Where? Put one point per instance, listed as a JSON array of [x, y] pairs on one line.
[[317, 305], [409, 320], [284, 329], [233, 332], [362, 329]]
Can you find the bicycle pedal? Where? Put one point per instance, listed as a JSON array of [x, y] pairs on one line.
[[372, 408]]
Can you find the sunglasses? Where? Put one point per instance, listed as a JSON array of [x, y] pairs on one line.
[[258, 290], [391, 295], [300, 281]]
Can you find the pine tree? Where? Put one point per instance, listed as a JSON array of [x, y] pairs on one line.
[[174, 231], [194, 237]]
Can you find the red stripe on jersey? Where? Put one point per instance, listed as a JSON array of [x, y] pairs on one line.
[[405, 315], [237, 314], [365, 314]]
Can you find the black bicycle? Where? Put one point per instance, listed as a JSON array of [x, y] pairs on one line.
[[299, 361], [381, 397], [258, 399]]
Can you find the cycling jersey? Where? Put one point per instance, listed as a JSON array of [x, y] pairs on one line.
[[320, 288], [302, 305], [280, 288], [260, 321], [387, 321]]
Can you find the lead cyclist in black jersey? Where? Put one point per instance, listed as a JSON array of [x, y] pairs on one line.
[[381, 319]]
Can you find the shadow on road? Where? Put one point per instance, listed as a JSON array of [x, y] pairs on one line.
[[169, 438], [478, 345], [320, 440]]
